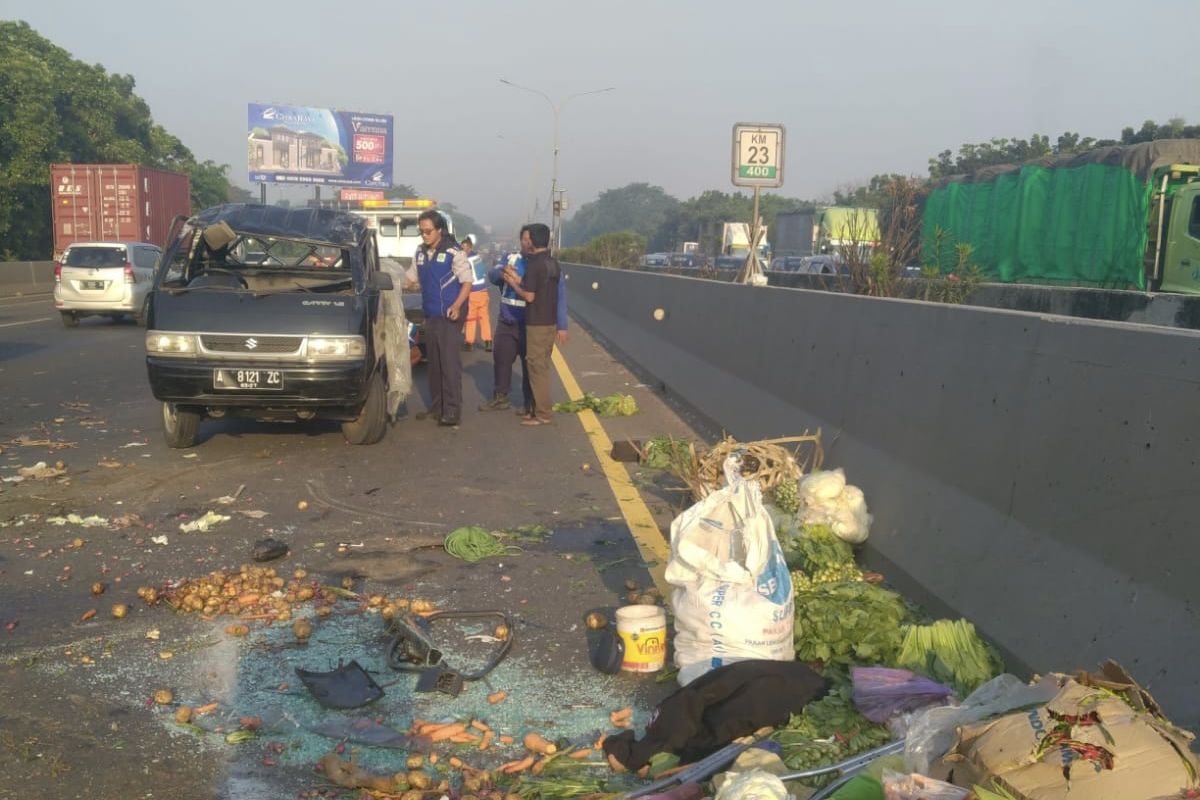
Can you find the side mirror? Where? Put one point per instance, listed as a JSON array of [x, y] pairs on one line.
[[380, 281]]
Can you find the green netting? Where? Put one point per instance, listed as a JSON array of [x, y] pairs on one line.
[[1082, 225]]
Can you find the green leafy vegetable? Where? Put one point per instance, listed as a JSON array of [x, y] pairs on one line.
[[849, 623], [950, 652], [813, 548], [613, 405], [664, 452], [828, 730]]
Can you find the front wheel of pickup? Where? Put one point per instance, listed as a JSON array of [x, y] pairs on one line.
[[180, 426], [371, 424]]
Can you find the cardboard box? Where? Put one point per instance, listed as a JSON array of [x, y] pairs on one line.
[[1138, 754]]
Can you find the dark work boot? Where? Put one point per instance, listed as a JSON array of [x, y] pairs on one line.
[[498, 403], [468, 347], [488, 345]]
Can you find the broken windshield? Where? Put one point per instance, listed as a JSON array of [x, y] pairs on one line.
[[227, 260]]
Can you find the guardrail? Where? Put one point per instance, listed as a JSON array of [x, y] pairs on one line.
[[1034, 473], [1148, 308], [26, 277]]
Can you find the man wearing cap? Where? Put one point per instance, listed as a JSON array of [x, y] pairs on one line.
[[477, 304]]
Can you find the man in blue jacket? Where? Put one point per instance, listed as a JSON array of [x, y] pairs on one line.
[[509, 339], [445, 277]]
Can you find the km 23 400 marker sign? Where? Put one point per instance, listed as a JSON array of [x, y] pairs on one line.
[[757, 155]]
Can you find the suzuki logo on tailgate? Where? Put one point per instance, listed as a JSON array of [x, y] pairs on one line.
[[251, 343]]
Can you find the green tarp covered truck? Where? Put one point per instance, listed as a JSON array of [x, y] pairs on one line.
[[1124, 217]]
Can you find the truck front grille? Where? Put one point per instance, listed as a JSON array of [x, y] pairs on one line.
[[252, 345]]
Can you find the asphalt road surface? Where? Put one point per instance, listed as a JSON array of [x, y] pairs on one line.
[[78, 717]]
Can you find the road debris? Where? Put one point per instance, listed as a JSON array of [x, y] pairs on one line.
[[229, 499], [42, 471], [90, 521], [53, 444], [205, 523], [269, 549]]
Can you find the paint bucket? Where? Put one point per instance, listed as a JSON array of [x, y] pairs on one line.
[[643, 630]]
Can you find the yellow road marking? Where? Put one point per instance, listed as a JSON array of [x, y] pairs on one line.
[[646, 534]]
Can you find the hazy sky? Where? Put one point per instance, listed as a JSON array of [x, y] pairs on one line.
[[862, 87]]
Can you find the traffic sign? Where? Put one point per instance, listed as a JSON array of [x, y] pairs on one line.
[[758, 154]]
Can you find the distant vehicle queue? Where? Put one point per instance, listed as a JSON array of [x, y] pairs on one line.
[[821, 264]]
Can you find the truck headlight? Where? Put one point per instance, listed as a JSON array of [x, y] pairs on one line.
[[336, 347], [170, 344]]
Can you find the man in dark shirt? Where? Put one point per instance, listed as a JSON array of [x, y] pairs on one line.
[[539, 289]]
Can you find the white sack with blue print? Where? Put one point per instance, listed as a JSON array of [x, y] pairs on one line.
[[733, 592]]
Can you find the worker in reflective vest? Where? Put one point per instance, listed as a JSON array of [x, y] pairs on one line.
[[477, 304], [510, 337], [445, 277]]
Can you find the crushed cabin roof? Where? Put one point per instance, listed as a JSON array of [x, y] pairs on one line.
[[320, 225]]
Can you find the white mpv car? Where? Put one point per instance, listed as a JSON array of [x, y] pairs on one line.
[[108, 278]]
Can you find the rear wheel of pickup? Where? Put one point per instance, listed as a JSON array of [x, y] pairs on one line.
[[70, 319], [371, 424], [180, 425]]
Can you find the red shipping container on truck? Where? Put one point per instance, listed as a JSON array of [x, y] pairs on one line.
[[115, 202]]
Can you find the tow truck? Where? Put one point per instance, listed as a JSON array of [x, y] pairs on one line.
[[395, 226]]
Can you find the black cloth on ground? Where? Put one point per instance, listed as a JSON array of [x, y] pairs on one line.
[[710, 712]]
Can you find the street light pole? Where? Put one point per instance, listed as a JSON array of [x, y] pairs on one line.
[[555, 201]]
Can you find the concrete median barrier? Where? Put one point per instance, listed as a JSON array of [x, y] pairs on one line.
[[1034, 473], [26, 277]]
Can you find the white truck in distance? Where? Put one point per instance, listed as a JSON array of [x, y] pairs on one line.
[[395, 224], [735, 239]]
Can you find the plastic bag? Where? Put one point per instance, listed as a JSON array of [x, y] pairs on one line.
[[880, 693], [826, 485], [733, 595], [897, 786], [826, 499], [931, 733], [756, 784], [392, 338]]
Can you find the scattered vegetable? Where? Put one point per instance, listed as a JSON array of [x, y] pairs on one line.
[[535, 743], [302, 629], [473, 543], [613, 405], [813, 548], [845, 623], [349, 775], [949, 652]]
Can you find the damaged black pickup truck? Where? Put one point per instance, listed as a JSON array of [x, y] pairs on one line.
[[277, 314]]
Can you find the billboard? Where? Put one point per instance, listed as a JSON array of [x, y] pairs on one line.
[[318, 146], [354, 195]]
